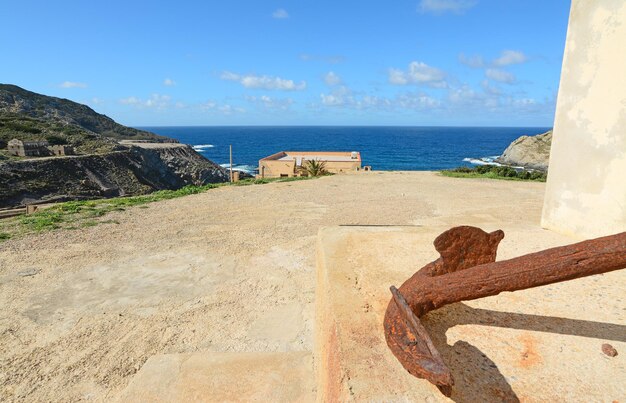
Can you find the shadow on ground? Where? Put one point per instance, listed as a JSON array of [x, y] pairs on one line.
[[476, 376]]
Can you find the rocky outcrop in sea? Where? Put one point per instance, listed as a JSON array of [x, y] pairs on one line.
[[531, 152]]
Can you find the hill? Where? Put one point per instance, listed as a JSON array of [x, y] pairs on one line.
[[29, 116], [103, 167]]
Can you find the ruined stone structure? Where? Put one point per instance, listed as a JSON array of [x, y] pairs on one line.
[[21, 148], [60, 150], [586, 189], [28, 148]]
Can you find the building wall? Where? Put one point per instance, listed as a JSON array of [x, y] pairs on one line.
[[337, 167], [16, 149], [275, 168], [586, 189]]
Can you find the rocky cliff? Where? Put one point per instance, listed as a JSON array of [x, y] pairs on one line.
[[529, 152], [135, 170]]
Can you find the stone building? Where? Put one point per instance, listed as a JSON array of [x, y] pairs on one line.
[[60, 150], [289, 163], [21, 148]]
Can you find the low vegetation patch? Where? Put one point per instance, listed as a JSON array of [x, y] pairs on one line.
[[495, 172], [81, 214]]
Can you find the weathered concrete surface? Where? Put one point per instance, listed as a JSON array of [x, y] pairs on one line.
[[541, 344], [586, 189], [224, 377]]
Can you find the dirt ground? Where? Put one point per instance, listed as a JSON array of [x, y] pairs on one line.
[[229, 270]]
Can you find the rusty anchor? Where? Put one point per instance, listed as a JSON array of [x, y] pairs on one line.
[[467, 270]]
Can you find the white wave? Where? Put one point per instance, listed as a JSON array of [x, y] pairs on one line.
[[491, 161], [483, 161], [250, 169], [201, 147]]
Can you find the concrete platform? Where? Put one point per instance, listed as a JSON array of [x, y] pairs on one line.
[[542, 344], [224, 377]]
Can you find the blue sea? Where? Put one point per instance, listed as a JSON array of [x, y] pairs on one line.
[[384, 148]]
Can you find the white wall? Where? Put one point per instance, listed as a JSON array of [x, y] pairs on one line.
[[586, 189]]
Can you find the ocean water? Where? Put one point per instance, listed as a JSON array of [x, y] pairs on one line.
[[384, 148]]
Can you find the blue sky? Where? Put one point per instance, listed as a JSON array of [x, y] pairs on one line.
[[292, 62]]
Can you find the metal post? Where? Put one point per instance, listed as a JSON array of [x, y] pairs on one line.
[[231, 162]]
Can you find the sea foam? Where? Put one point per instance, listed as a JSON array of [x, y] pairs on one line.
[[483, 161], [242, 168], [201, 147]]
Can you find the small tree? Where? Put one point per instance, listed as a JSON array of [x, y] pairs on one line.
[[313, 168]]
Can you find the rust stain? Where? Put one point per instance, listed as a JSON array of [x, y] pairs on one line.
[[529, 356]]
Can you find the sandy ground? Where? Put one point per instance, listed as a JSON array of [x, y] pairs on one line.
[[232, 269]]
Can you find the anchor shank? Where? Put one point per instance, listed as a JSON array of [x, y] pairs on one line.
[[563, 263]]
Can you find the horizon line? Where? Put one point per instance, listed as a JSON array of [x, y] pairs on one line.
[[287, 126]]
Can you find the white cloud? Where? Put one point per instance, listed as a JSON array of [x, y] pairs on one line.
[[444, 6], [493, 102], [343, 97], [332, 100], [475, 61], [280, 14], [208, 105], [168, 82], [417, 101], [490, 89], [72, 84], [267, 102], [419, 73], [130, 101], [157, 101], [229, 76], [228, 109], [264, 82], [465, 95], [397, 77], [339, 96], [97, 101], [500, 76], [332, 79], [224, 109], [510, 57]]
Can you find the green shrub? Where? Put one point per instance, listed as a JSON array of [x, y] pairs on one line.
[[22, 127], [54, 140], [495, 172]]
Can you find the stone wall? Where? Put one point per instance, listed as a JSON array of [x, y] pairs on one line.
[[586, 189]]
